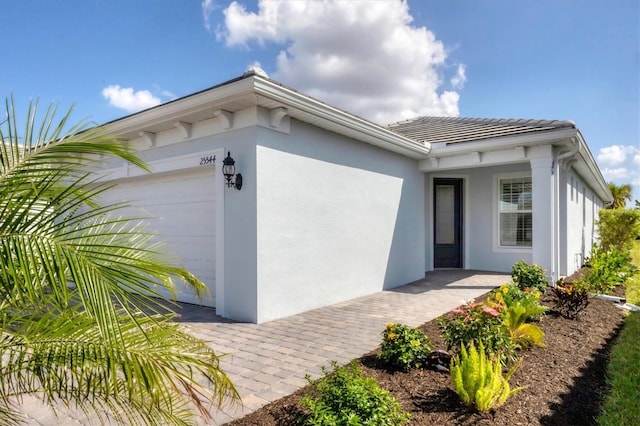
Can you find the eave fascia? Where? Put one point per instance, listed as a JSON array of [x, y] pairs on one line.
[[592, 174], [296, 103], [356, 127], [445, 149], [490, 152], [173, 110]]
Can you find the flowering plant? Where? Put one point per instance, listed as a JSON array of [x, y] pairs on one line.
[[478, 323], [529, 276], [404, 347], [508, 295]]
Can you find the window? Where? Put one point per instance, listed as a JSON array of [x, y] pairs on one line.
[[515, 212]]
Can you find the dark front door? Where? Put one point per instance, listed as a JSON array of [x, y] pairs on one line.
[[447, 223]]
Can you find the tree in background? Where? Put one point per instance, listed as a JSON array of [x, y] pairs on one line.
[[621, 194], [78, 323]]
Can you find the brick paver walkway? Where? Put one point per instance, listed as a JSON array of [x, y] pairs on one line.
[[268, 361]]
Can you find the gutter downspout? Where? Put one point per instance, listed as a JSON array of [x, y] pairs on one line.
[[555, 170]]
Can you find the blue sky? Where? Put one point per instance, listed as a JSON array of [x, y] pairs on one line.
[[571, 59]]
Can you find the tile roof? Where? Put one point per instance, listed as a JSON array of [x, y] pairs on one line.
[[461, 129]]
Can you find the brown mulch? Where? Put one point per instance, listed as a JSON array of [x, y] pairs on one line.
[[564, 383]]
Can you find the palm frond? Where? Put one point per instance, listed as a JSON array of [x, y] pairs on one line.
[[78, 321]]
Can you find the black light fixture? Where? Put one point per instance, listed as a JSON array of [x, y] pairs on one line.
[[229, 171]]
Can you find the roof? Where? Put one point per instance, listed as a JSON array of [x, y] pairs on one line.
[[255, 89], [461, 129]]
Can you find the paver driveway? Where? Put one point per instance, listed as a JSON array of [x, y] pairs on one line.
[[268, 361]]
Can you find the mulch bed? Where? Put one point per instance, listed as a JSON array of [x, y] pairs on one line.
[[565, 382]]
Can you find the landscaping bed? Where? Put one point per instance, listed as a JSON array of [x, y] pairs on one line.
[[564, 382]]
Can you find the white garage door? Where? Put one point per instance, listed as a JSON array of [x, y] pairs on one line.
[[182, 207]]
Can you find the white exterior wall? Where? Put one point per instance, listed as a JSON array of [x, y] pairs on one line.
[[579, 211], [479, 226], [336, 219], [236, 292], [301, 233]]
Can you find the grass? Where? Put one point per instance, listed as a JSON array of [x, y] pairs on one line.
[[621, 406], [633, 288]]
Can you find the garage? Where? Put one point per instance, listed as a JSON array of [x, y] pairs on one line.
[[181, 205]]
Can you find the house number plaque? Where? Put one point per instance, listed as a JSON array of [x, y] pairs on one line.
[[205, 161]]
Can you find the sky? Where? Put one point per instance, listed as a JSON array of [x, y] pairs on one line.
[[387, 61]]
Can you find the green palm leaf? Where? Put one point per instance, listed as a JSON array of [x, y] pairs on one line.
[[81, 317]]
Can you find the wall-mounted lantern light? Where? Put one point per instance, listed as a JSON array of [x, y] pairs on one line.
[[229, 172]]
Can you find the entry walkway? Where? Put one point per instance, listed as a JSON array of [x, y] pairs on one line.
[[268, 361]]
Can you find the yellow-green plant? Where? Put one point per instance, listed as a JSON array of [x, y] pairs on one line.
[[522, 333], [477, 378], [509, 294]]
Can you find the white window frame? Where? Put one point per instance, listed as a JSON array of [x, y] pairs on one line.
[[496, 214]]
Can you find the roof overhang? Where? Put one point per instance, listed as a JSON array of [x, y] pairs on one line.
[[513, 149], [256, 91]]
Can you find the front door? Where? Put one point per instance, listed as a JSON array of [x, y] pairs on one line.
[[447, 223]]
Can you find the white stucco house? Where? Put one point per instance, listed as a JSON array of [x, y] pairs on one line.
[[333, 206]]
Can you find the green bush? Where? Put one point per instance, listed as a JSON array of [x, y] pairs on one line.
[[621, 405], [346, 397], [618, 228], [570, 298], [404, 347], [529, 276], [606, 269], [479, 324], [508, 295], [477, 379]]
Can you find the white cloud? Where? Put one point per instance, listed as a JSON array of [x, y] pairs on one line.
[[612, 155], [458, 80], [208, 6], [621, 164], [615, 174], [125, 98], [365, 57]]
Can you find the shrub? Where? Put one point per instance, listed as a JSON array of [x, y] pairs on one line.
[[480, 324], [508, 295], [607, 269], [618, 228], [477, 379], [604, 270], [404, 347], [523, 334], [570, 299], [529, 276], [346, 397]]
